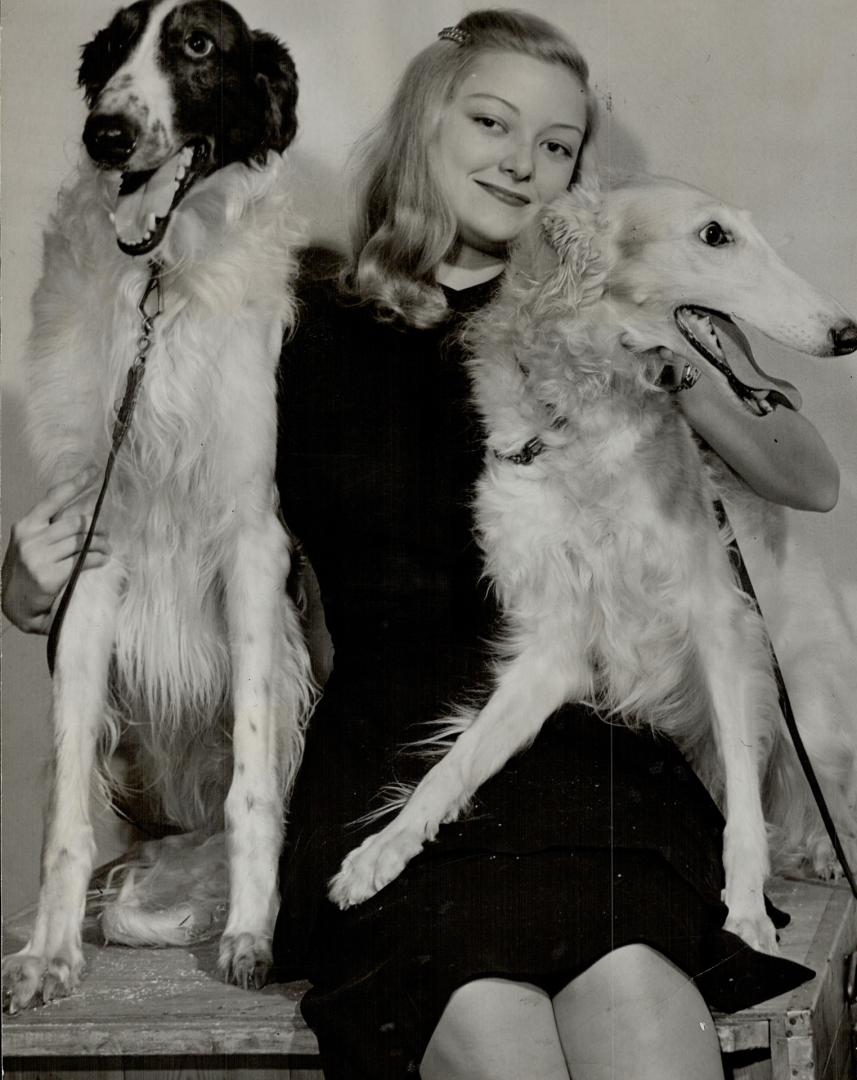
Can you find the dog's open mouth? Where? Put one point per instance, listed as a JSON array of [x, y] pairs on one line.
[[756, 390], [147, 199], [697, 329]]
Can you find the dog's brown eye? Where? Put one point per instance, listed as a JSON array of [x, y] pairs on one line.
[[198, 45], [714, 235]]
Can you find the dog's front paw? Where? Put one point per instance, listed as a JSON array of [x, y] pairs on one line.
[[756, 930], [30, 979], [378, 861], [245, 960]]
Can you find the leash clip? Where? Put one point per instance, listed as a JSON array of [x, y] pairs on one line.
[[124, 408], [526, 455], [153, 285]]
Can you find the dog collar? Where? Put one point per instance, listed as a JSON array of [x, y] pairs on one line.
[[526, 455]]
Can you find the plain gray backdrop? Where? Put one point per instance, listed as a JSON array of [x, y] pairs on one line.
[[754, 101]]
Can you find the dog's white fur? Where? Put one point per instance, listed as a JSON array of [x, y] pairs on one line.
[[209, 666], [604, 552], [812, 624]]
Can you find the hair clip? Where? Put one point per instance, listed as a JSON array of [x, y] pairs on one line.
[[454, 33]]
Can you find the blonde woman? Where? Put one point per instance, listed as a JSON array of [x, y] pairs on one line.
[[571, 924]]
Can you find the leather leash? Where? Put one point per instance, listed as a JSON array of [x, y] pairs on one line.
[[786, 707], [148, 314]]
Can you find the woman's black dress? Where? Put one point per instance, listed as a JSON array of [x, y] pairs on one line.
[[593, 838]]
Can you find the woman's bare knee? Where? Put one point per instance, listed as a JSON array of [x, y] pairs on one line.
[[634, 1015], [495, 1029]]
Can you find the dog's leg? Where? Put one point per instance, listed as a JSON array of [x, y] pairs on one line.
[[270, 680], [547, 672], [51, 963], [734, 655]]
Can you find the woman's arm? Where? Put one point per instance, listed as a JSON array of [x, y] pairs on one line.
[[780, 455], [42, 549]]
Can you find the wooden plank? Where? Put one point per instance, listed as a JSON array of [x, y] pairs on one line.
[[779, 1048], [157, 1001], [816, 909], [51, 1069], [263, 1067], [817, 1028], [750, 1065]]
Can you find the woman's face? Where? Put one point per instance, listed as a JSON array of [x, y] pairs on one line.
[[507, 144]]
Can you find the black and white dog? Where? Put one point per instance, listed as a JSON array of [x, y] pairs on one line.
[[186, 637]]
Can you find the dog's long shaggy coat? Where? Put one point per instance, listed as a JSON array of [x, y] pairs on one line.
[[186, 638], [595, 513]]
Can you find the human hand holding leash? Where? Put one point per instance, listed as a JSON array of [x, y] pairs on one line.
[[42, 548]]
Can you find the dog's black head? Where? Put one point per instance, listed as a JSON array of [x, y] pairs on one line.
[[177, 89]]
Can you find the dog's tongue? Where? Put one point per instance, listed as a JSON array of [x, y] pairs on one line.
[[137, 210]]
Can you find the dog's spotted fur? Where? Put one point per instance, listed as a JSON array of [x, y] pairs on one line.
[[189, 623]]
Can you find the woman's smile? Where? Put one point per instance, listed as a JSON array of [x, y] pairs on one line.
[[510, 198]]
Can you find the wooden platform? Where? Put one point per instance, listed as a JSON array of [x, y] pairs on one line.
[[805, 1034], [163, 1013]]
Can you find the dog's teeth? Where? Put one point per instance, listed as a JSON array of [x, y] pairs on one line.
[[112, 217], [151, 221], [181, 172]]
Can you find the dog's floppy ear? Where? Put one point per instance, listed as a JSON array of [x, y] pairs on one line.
[[572, 226], [102, 56], [277, 80], [556, 262]]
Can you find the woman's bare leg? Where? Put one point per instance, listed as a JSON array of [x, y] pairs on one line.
[[635, 1016], [495, 1029]]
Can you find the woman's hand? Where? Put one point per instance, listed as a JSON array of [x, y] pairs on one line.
[[42, 548], [779, 454]]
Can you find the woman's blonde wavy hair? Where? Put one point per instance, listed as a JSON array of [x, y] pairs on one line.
[[404, 228]]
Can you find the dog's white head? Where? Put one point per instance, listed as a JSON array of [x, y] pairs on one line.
[[177, 89], [666, 256]]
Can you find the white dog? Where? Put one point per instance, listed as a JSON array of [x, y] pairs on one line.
[[595, 513], [186, 633]]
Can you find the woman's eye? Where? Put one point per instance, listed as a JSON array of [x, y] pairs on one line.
[[198, 45], [557, 149], [488, 122], [714, 235]]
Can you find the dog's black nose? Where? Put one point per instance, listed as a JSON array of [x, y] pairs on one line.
[[109, 140], [844, 338]]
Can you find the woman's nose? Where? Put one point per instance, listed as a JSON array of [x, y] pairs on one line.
[[518, 163]]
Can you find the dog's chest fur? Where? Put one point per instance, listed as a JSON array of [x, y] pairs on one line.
[[609, 510], [198, 460]]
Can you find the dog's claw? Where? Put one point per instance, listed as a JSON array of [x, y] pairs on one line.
[[56, 985], [30, 980], [244, 960]]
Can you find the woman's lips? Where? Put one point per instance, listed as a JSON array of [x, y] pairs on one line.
[[510, 198]]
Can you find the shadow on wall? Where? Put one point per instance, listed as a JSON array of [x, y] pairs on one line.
[[620, 151]]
